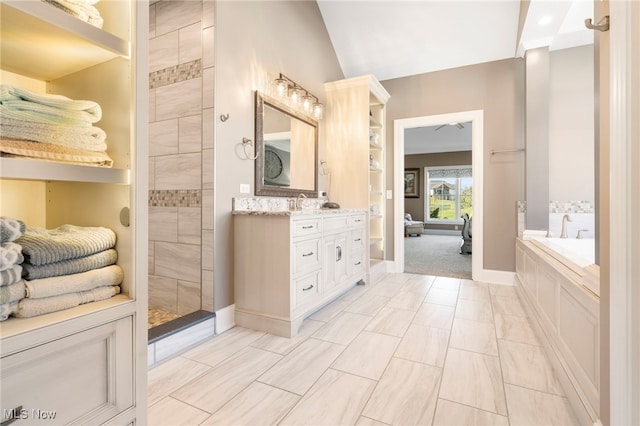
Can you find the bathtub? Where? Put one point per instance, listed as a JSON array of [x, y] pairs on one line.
[[576, 254]]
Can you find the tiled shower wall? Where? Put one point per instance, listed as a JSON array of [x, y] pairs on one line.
[[181, 120]]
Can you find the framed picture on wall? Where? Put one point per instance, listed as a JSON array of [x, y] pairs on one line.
[[411, 183]]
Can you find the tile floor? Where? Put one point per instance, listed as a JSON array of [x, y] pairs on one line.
[[408, 350]]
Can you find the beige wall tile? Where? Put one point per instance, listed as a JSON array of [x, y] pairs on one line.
[[208, 120], [175, 14], [163, 293], [188, 297], [179, 99], [190, 43], [151, 257], [152, 173], [207, 209], [190, 134], [163, 224], [189, 225], [207, 47], [181, 171], [179, 261], [207, 13], [208, 84], [152, 105], [163, 51], [152, 21], [206, 304], [207, 250], [207, 169], [163, 137]]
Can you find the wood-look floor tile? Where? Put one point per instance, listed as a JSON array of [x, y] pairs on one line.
[[439, 296], [427, 345], [474, 336], [368, 355], [337, 398], [368, 304], [437, 316], [387, 289], [452, 414], [474, 293], [508, 306], [407, 300], [515, 329], [447, 283], [214, 389], [473, 379], [258, 404], [284, 345], [393, 322], [355, 293], [170, 411], [503, 290], [530, 407], [406, 394], [418, 284], [299, 370], [330, 311], [221, 347], [366, 421], [343, 328], [167, 377], [528, 366], [472, 283], [474, 310]]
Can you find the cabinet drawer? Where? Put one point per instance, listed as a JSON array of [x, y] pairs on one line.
[[306, 227], [356, 239], [85, 378], [306, 256], [307, 288], [356, 263], [357, 220], [335, 223]]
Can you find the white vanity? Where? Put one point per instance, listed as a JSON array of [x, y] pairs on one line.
[[288, 264]]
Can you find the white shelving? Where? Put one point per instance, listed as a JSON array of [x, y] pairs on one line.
[[46, 50]]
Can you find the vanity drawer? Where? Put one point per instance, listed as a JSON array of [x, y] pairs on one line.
[[306, 227], [356, 239], [306, 256], [357, 220], [356, 263], [307, 288], [338, 223], [84, 378]]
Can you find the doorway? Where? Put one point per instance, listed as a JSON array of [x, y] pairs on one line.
[[475, 118]]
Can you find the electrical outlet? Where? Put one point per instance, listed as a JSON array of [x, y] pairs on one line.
[[245, 188]]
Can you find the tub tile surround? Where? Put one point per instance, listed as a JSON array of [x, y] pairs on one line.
[[367, 370], [181, 133]]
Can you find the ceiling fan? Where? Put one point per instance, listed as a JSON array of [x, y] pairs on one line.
[[460, 126]]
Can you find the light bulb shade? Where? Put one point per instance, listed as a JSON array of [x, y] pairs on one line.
[[281, 85], [295, 95], [318, 110], [307, 103]]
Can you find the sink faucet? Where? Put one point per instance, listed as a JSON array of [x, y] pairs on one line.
[[299, 201], [566, 218]]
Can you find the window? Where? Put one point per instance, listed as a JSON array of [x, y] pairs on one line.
[[448, 193]]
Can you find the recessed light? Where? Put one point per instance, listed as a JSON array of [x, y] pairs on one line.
[[545, 21]]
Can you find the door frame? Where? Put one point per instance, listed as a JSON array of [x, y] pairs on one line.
[[476, 117]]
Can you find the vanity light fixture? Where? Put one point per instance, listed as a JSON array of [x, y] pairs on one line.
[[299, 96]]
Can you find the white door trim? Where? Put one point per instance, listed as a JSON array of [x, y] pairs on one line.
[[477, 157]]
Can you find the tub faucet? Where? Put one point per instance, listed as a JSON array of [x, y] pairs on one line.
[[566, 218], [580, 231]]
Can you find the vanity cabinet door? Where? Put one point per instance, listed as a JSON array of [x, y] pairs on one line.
[[335, 260]]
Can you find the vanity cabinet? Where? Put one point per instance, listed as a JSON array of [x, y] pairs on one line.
[[355, 123], [87, 364], [288, 265]]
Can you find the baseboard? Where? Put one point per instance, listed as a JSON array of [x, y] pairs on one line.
[[498, 277], [225, 319], [454, 232], [391, 266]]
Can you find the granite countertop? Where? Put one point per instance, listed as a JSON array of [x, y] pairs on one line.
[[296, 212]]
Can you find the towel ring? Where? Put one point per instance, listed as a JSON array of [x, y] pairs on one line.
[[245, 143]]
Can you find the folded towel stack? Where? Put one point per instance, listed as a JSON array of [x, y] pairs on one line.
[[51, 127], [81, 9], [12, 287], [66, 267]]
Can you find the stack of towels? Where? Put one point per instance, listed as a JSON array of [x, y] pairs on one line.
[[12, 287], [81, 9], [66, 267], [51, 128]]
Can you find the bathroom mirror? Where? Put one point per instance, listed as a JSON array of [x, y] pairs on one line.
[[287, 150]]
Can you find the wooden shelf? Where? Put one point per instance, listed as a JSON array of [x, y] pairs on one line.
[[374, 123], [375, 170], [15, 168], [45, 43]]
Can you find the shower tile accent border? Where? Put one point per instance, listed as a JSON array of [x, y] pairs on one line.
[[571, 207], [164, 77], [175, 198]]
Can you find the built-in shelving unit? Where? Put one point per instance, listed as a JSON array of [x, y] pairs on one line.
[[98, 346], [356, 114]]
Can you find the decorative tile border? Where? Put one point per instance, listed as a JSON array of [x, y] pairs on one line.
[[571, 207], [175, 198], [521, 206], [175, 74]]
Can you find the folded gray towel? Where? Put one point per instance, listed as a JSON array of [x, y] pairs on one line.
[[11, 276], [71, 266], [10, 229], [55, 286], [32, 307], [7, 309], [10, 255], [12, 293], [41, 246]]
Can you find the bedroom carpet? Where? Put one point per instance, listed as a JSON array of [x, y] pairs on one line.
[[436, 255]]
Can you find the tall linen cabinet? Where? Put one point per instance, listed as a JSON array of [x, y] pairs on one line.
[[355, 134], [84, 365]]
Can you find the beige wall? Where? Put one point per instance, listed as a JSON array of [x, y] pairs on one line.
[[497, 88], [415, 206], [255, 41]]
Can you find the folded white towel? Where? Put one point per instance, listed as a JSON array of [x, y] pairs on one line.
[[81, 10], [11, 276], [7, 309], [12, 293], [10, 255], [47, 152], [91, 138], [32, 307], [55, 286], [11, 229]]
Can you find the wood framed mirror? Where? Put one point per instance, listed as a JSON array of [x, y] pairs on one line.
[[287, 150]]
